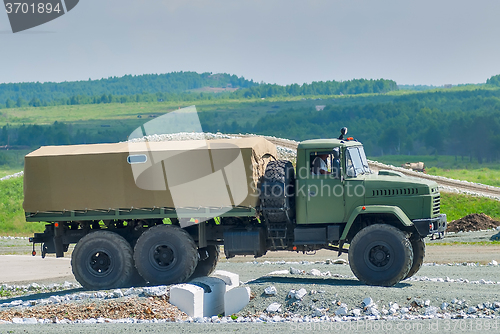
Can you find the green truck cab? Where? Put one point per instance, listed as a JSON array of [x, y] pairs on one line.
[[127, 234], [383, 216]]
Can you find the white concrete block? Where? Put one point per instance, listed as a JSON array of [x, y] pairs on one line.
[[236, 299], [232, 280], [213, 297], [188, 298]]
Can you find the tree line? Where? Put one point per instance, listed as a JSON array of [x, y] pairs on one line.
[[124, 88], [463, 123], [176, 86]]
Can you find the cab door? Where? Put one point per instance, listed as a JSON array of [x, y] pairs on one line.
[[324, 192]]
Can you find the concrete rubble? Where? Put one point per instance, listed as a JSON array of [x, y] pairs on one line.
[[211, 296]]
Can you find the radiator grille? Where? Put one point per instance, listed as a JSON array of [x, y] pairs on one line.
[[395, 192], [436, 204]]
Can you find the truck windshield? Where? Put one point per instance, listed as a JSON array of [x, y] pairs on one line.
[[356, 161]]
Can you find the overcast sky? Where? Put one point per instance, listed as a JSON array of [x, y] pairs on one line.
[[276, 41]]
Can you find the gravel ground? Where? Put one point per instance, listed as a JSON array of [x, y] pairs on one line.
[[465, 288], [335, 299]]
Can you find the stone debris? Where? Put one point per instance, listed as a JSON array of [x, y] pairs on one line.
[[295, 271], [274, 307], [279, 272], [155, 291], [394, 307], [132, 308], [431, 310], [314, 272], [300, 294], [271, 291], [368, 301], [342, 310], [118, 293], [340, 261], [356, 312], [319, 312], [87, 311]]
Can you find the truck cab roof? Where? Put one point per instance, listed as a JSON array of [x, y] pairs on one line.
[[327, 143]]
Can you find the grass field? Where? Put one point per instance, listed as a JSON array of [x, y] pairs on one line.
[[12, 220], [449, 166], [481, 175], [457, 206]]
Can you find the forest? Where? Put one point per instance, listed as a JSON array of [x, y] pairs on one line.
[[460, 123], [176, 86], [463, 122]]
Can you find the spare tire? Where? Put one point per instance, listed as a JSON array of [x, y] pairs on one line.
[[277, 194]]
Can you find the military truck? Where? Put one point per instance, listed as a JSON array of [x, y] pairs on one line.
[[151, 213]]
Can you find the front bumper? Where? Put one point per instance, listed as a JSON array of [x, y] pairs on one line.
[[431, 226]]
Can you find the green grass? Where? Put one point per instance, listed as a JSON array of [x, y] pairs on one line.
[[129, 111], [457, 206], [451, 167], [12, 221], [247, 109], [482, 175]]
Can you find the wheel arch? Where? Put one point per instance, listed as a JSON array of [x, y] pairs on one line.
[[363, 216]]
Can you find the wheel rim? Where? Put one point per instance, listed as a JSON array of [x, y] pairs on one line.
[[378, 256], [99, 264], [162, 257]]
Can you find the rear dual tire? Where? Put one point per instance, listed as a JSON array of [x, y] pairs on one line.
[[103, 260], [165, 254]]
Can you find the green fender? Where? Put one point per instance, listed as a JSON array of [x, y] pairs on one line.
[[396, 211]]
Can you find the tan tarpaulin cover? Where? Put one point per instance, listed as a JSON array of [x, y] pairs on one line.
[[170, 174]]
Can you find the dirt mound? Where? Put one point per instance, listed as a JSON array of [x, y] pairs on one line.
[[473, 222]]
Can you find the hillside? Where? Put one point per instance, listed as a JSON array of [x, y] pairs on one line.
[[75, 92], [183, 86]]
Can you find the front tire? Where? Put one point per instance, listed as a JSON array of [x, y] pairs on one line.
[[380, 255], [103, 260], [165, 254], [418, 246]]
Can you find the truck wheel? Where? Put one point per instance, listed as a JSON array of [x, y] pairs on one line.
[[381, 255], [418, 246], [165, 254], [277, 192], [103, 260], [207, 266]]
